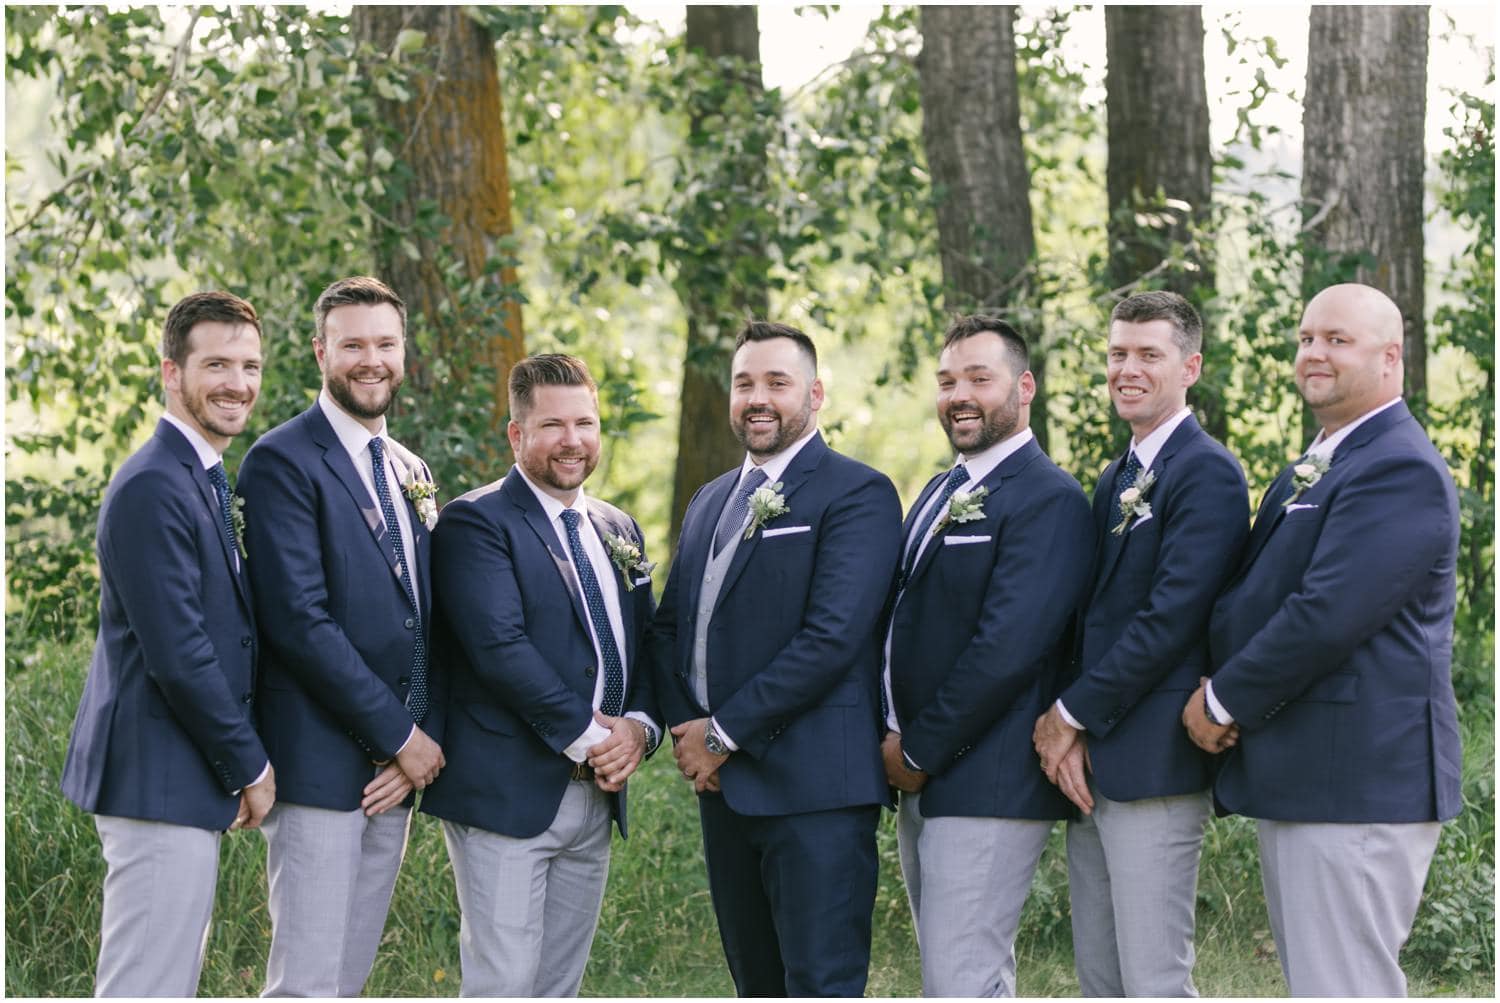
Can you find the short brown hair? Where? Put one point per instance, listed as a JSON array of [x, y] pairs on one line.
[[1159, 304], [358, 290], [547, 370], [1016, 352], [193, 310], [765, 330]]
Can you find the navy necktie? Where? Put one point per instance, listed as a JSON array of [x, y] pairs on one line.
[[957, 477], [1124, 480], [220, 481], [734, 515], [416, 701], [614, 671]]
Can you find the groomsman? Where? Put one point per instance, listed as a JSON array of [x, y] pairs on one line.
[[543, 596], [1332, 648], [163, 750], [995, 558], [1171, 517], [339, 553], [766, 649]]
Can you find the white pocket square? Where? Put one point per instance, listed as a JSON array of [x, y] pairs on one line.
[[1143, 519], [959, 541], [643, 581], [785, 531], [1297, 507]]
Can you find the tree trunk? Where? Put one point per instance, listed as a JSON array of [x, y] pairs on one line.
[[723, 285], [1160, 174], [971, 129], [452, 139], [1362, 161]]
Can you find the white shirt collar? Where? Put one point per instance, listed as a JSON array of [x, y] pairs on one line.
[[982, 463], [1146, 450], [1325, 445], [551, 505], [207, 455], [776, 465], [354, 436]]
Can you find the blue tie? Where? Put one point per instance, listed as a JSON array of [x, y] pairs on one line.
[[416, 702], [734, 515], [958, 476], [220, 481], [614, 672], [1124, 480]]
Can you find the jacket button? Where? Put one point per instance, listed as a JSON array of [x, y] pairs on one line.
[[402, 681], [246, 697], [410, 623], [589, 671], [245, 641]]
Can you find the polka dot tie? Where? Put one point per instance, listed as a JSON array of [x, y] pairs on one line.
[[220, 481], [1123, 481], [734, 515], [957, 477], [614, 671], [416, 700]]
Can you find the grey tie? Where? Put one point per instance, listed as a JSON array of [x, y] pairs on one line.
[[734, 512]]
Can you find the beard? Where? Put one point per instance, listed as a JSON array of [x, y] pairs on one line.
[[996, 425], [762, 440], [341, 390]]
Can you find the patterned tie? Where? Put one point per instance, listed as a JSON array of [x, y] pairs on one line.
[[220, 481], [958, 476], [734, 515], [1124, 480], [614, 672], [416, 701]]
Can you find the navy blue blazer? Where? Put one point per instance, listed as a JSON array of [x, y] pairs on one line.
[[337, 630], [794, 641], [979, 639], [164, 728], [512, 631], [1334, 642], [1145, 632]]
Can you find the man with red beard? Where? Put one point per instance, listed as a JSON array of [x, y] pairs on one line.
[[766, 651], [339, 551], [995, 557]]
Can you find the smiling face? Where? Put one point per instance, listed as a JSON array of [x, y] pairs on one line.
[[980, 400], [1148, 375], [215, 386], [363, 356], [773, 396], [1348, 354], [556, 440]]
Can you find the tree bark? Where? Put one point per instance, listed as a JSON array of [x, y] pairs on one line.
[[1362, 161], [971, 130]]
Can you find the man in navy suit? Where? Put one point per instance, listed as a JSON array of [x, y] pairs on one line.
[[766, 649], [543, 596], [163, 750], [339, 553], [995, 557], [1163, 555], [1332, 650]]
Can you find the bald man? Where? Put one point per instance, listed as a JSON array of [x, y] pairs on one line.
[[1332, 687]]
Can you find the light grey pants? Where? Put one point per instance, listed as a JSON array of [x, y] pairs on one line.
[[529, 907], [967, 879], [158, 898], [1342, 898], [331, 874], [1133, 886]]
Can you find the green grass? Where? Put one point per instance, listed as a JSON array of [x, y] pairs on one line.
[[657, 934]]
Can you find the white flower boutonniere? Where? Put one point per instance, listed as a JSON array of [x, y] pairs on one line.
[[1133, 504], [626, 555], [237, 516], [964, 506], [765, 504], [416, 482], [1308, 471]]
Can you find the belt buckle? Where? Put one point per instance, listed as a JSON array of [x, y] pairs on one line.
[[581, 771]]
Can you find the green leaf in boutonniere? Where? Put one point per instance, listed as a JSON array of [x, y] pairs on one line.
[[626, 555], [1133, 504], [963, 506], [237, 516], [765, 504], [1308, 471]]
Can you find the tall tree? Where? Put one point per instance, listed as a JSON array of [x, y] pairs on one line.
[[971, 129], [1362, 160], [452, 266]]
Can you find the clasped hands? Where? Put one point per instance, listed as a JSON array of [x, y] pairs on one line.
[[617, 757], [1065, 757], [415, 766], [1207, 735], [694, 760]]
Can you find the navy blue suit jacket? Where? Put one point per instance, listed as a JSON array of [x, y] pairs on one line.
[[336, 627], [979, 639], [1334, 642], [164, 728], [1145, 631], [794, 643], [513, 629]]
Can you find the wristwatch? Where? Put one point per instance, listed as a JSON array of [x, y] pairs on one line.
[[713, 741]]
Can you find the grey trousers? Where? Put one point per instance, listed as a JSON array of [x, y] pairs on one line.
[[330, 874], [967, 879], [158, 898], [529, 907], [1342, 898], [1132, 887]]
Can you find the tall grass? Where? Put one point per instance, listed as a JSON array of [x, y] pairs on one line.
[[657, 934]]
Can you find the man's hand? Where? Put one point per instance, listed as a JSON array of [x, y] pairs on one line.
[[256, 801], [1072, 777], [1054, 738], [1205, 734], [387, 790], [617, 757], [897, 773], [693, 758], [420, 759]]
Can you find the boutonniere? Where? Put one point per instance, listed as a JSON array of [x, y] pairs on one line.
[[1133, 504], [964, 506], [416, 482], [626, 555], [237, 517], [1305, 474], [765, 504]]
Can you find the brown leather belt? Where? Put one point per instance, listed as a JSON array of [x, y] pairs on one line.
[[582, 771]]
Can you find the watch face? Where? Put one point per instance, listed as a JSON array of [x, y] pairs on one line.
[[714, 743]]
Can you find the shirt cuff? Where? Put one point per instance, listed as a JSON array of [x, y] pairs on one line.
[[1221, 716], [653, 731], [1063, 712], [911, 764], [592, 736], [728, 742], [259, 777], [409, 736]]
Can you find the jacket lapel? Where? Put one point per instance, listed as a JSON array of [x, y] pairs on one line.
[[1112, 545], [520, 495], [183, 450], [797, 473], [336, 458], [604, 528]]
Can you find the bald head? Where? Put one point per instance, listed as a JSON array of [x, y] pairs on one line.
[[1375, 311], [1348, 353]]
